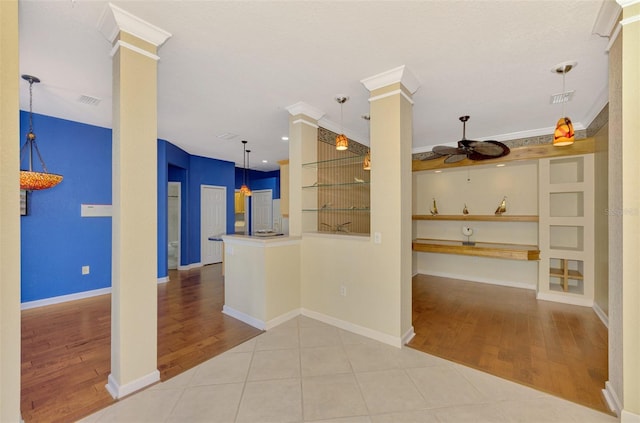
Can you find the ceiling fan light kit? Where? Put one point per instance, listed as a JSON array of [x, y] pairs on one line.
[[564, 133]]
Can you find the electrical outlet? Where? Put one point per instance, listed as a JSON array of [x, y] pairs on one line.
[[85, 270], [343, 290], [377, 238]]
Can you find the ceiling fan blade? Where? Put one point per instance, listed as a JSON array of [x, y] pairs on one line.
[[431, 156], [488, 148], [455, 158], [447, 151]]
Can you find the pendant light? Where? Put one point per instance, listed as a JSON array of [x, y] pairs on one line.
[[248, 194], [564, 133], [366, 163], [31, 180], [342, 142], [244, 189]]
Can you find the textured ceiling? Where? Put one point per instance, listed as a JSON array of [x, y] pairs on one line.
[[234, 66]]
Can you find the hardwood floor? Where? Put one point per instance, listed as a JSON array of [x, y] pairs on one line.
[[66, 352], [557, 348]]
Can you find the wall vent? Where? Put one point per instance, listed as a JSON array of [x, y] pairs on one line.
[[89, 100], [564, 97]]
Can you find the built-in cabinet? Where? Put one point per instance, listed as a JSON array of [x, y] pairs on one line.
[[284, 187], [566, 187]]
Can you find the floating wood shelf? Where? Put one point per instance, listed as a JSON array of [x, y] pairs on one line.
[[481, 249], [478, 217]]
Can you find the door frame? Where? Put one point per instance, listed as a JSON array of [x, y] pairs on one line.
[[179, 184], [203, 237]]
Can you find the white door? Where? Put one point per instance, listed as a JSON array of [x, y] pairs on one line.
[[213, 222], [261, 210]]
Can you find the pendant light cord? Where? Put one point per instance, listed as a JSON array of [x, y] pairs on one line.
[[31, 137]]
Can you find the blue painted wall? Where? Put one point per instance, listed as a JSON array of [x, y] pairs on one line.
[[55, 241]]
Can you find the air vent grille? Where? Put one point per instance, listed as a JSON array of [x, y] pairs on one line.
[[89, 100], [564, 97]]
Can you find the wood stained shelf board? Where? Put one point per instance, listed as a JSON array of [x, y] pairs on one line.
[[530, 152], [481, 249], [477, 217], [571, 274]]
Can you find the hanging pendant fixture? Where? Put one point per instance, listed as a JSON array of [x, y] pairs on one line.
[[564, 133], [248, 194], [366, 163], [32, 180], [244, 189], [342, 142]]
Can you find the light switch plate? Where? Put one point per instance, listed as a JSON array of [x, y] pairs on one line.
[[377, 238]]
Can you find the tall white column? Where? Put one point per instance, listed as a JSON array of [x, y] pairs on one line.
[[391, 111], [134, 222], [9, 214]]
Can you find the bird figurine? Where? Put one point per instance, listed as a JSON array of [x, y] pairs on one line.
[[434, 209], [465, 210], [502, 208]]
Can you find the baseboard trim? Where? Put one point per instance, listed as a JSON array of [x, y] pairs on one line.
[[566, 299], [509, 284], [163, 279], [118, 391], [408, 336], [189, 266], [601, 314], [65, 298], [611, 398], [243, 317], [351, 327], [282, 318]]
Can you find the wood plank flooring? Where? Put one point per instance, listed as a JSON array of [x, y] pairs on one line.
[[556, 348], [66, 352]]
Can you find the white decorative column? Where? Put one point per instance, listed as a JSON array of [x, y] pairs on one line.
[[134, 222], [303, 139], [9, 214], [630, 210], [391, 110]]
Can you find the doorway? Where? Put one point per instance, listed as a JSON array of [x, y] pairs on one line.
[[213, 222], [173, 225], [261, 210]]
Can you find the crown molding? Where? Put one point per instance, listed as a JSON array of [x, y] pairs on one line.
[[401, 74], [607, 19], [114, 19], [627, 3], [302, 108]]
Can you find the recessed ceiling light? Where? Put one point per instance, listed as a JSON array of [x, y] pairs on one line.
[[438, 171], [285, 138], [264, 161], [500, 165]]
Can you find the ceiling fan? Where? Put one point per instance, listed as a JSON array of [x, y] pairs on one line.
[[469, 149]]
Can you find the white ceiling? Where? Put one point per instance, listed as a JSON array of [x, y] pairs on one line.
[[234, 66]]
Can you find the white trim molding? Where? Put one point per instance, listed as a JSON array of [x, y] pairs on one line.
[[627, 3], [133, 48], [65, 298], [118, 391], [282, 318], [566, 299], [305, 122], [189, 266], [114, 19], [601, 314], [164, 279], [613, 37], [244, 317], [389, 94], [302, 108], [607, 19], [630, 20], [611, 398], [401, 74], [489, 281], [360, 330], [629, 417]]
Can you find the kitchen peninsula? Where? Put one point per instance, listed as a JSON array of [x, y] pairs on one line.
[[262, 279]]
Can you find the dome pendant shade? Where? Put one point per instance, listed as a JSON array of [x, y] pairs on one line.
[[32, 180], [564, 133]]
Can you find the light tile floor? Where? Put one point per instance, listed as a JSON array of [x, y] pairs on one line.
[[308, 371]]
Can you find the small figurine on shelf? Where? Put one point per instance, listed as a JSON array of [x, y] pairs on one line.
[[502, 208], [434, 209], [465, 210]]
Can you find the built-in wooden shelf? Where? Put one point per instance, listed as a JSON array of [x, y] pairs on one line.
[[481, 249], [528, 152], [571, 274], [477, 217]]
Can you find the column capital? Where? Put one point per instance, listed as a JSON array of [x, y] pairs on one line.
[[401, 75], [302, 108], [626, 3], [114, 19]]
